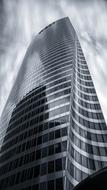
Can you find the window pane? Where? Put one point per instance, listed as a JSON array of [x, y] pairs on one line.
[[51, 150], [38, 154], [51, 135], [50, 166], [36, 171], [45, 138], [44, 152], [59, 184], [64, 146], [42, 186], [51, 185], [57, 148], [58, 164], [57, 133], [64, 131], [39, 140], [43, 169]]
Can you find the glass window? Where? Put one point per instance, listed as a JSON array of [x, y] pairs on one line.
[[64, 131], [57, 133], [51, 124], [44, 152], [51, 150], [57, 148], [58, 164], [64, 146], [51, 185], [43, 169], [39, 140], [45, 126], [51, 135], [42, 186], [37, 171], [40, 128], [35, 187], [59, 184], [45, 138], [50, 166], [38, 154]]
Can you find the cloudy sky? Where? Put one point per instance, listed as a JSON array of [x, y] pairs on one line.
[[21, 20]]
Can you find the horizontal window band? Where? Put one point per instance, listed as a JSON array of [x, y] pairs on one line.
[[57, 43], [58, 54], [90, 164], [39, 106], [21, 169], [46, 120], [85, 93], [87, 109], [82, 79], [86, 113], [54, 67], [65, 69], [80, 59], [28, 151], [95, 131], [82, 63], [31, 127], [29, 138], [87, 141], [88, 135], [78, 72], [79, 166], [45, 89], [47, 80], [83, 82], [81, 70], [56, 50], [65, 85], [49, 95], [89, 149], [39, 114], [59, 64], [88, 155], [82, 85], [44, 131], [48, 67], [85, 100], [59, 59], [87, 118], [71, 179], [94, 107], [85, 67]]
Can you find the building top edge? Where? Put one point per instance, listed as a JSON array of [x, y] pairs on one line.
[[64, 18]]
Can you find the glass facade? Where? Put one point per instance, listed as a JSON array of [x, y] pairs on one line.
[[52, 130]]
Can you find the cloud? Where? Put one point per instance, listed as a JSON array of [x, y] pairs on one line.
[[21, 20]]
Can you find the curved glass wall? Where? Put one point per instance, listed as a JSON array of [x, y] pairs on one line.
[[52, 131], [87, 147]]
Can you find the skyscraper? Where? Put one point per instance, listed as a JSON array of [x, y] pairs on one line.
[[52, 130]]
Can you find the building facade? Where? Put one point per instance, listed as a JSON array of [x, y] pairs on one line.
[[52, 130]]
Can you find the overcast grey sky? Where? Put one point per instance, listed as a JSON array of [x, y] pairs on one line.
[[21, 20]]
